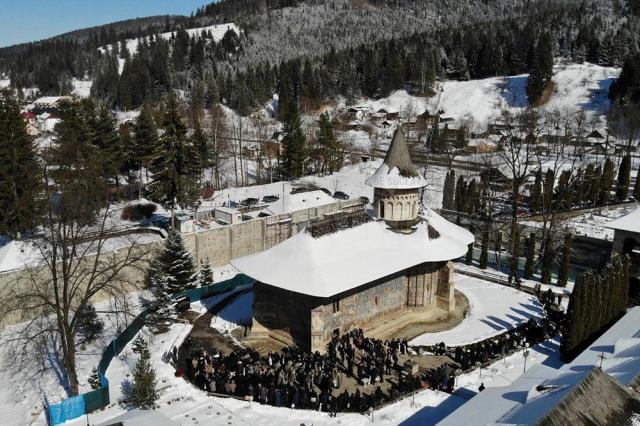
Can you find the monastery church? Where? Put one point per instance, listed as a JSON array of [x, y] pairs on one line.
[[358, 270]]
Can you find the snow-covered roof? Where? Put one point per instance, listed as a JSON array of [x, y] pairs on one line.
[[397, 170], [141, 418], [630, 222], [524, 402], [18, 254], [50, 100], [334, 263]]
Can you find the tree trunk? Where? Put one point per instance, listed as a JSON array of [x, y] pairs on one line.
[[69, 359], [140, 183]]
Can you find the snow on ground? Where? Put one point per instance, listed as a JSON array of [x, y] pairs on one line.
[[506, 370], [494, 309], [592, 224], [187, 405], [502, 274], [124, 116], [355, 139], [234, 314], [24, 389], [81, 88], [577, 86], [582, 86]]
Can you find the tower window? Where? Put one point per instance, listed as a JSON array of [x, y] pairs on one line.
[[336, 305]]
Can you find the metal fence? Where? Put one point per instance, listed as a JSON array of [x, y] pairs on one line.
[[80, 405]]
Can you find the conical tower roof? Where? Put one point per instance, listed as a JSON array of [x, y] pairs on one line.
[[397, 170]]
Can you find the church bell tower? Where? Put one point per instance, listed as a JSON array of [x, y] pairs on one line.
[[397, 186]]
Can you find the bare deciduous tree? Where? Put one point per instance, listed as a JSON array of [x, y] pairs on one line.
[[80, 256]]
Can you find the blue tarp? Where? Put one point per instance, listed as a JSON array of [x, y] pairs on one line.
[[86, 403], [66, 410]]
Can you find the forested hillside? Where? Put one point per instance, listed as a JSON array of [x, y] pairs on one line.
[[320, 49]]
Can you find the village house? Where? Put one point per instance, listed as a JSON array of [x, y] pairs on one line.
[[355, 270], [30, 122], [48, 104]]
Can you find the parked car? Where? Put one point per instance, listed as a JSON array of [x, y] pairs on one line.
[[340, 195]]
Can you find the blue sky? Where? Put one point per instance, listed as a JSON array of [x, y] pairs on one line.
[[29, 20]]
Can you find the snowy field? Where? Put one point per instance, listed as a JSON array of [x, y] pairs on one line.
[[494, 309], [592, 224], [578, 86], [81, 88]]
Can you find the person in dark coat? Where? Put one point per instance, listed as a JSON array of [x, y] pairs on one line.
[[333, 403]]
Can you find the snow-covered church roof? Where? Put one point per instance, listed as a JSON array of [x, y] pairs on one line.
[[333, 263], [397, 170]]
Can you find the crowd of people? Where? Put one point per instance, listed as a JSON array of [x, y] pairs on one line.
[[298, 379], [472, 355]]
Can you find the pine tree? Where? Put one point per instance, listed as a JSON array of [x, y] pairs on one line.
[[445, 195], [547, 262], [484, 253], [530, 260], [596, 186], [145, 141], [329, 145], [139, 344], [624, 178], [143, 393], [542, 71], [448, 196], [636, 187], [607, 182], [572, 334], [174, 165], [19, 171], [461, 199], [294, 143], [94, 379], [515, 250], [472, 197], [563, 273], [206, 274], [547, 195], [176, 264], [162, 309], [106, 139], [89, 322], [536, 193]]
